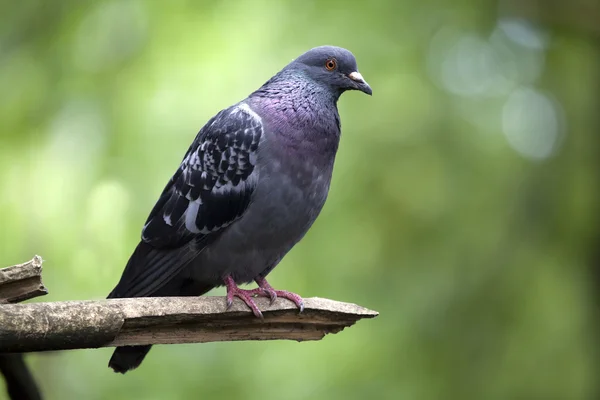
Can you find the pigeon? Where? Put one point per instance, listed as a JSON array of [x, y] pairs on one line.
[[248, 189]]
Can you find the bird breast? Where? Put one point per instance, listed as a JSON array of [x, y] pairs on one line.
[[288, 198]]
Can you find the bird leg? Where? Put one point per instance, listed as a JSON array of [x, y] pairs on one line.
[[273, 294], [264, 289], [245, 295]]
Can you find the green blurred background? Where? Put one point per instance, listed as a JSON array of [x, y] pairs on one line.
[[464, 205]]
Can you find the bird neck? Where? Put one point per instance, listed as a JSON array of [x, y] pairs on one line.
[[296, 103]]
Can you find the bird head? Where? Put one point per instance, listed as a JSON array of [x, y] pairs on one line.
[[333, 67]]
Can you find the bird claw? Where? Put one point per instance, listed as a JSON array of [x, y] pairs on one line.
[[293, 297], [273, 294], [263, 290], [246, 297], [270, 293]]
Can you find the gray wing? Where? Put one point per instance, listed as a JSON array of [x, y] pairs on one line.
[[210, 190]]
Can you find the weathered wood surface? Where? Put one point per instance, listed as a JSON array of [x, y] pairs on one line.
[[138, 321]]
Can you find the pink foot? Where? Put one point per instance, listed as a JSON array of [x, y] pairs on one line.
[[264, 290], [273, 294], [245, 295]]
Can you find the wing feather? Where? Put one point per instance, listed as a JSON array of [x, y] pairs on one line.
[[210, 190]]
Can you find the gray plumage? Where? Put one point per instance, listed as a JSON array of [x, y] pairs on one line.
[[249, 187]]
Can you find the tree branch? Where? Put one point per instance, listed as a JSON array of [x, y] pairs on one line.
[[140, 321], [18, 283], [20, 384], [22, 281]]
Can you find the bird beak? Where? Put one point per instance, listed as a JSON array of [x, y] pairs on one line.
[[360, 83]]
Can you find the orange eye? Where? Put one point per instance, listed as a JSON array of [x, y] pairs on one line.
[[330, 64]]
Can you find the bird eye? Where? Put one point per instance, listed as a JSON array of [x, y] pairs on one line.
[[330, 64]]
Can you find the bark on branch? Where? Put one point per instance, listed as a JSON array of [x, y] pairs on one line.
[[18, 283], [22, 281], [139, 321]]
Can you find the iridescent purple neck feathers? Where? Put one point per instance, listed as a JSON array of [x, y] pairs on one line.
[[296, 105]]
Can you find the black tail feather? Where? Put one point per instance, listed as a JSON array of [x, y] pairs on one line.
[[138, 281], [149, 269], [127, 358]]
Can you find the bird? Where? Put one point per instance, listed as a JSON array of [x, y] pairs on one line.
[[248, 189]]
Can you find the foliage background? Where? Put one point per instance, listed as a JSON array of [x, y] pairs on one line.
[[464, 206]]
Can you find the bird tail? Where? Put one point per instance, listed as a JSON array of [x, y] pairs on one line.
[[126, 358], [145, 268], [148, 270]]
